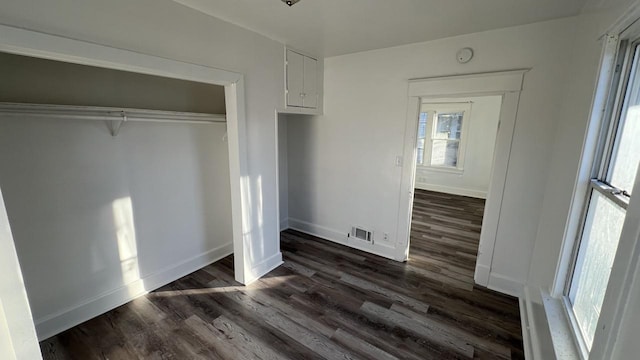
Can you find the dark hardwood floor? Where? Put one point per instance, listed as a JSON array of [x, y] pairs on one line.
[[326, 302]]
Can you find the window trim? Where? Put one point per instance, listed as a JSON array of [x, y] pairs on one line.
[[601, 104], [431, 109], [603, 148], [608, 131]]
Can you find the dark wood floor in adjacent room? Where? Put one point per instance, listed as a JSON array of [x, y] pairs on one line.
[[326, 302]]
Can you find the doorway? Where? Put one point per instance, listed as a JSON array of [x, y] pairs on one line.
[[506, 85], [454, 154]]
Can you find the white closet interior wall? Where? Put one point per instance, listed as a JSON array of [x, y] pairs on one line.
[[97, 219]]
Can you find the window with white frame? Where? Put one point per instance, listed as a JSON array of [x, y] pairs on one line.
[[613, 176], [442, 131]]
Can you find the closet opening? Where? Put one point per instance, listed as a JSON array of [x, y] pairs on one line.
[[115, 183]]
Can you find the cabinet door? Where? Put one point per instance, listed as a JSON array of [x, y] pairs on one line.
[[295, 82], [310, 91]]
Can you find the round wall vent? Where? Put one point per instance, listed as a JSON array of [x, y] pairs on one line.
[[464, 55]]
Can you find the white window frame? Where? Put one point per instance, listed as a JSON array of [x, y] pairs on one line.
[[434, 108], [612, 81], [607, 133]]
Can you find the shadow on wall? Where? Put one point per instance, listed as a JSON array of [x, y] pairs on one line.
[[212, 177], [302, 167]]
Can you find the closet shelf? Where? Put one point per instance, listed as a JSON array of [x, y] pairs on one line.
[[115, 116]]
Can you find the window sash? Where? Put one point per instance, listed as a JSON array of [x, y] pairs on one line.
[[612, 193], [625, 116], [432, 110], [609, 132], [446, 142], [626, 64], [605, 147], [436, 123]]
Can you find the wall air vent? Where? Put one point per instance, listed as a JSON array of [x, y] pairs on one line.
[[361, 233]]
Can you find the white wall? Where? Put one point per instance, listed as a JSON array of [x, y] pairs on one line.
[[478, 156], [99, 219], [40, 81], [170, 30], [345, 160], [17, 333]]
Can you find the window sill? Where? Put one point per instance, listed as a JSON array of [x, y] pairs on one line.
[[560, 327], [444, 170]]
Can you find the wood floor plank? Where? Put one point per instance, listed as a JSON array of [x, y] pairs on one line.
[[360, 346], [191, 345], [498, 350], [424, 330], [301, 269], [392, 295], [241, 339], [339, 253], [256, 325], [272, 302], [206, 332], [399, 345], [309, 338], [327, 301]]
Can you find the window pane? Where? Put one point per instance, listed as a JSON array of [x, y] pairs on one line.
[[420, 158], [601, 233], [422, 131], [448, 125], [445, 153], [422, 125], [624, 160]]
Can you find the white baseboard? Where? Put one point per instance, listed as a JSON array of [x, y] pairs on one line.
[[525, 322], [263, 268], [318, 230], [501, 283], [530, 337], [506, 285], [284, 224], [384, 250], [60, 321], [452, 190], [482, 274]]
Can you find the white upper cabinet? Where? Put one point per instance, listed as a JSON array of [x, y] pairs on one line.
[[295, 78], [302, 82], [310, 83]]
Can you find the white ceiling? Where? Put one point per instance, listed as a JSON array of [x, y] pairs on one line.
[[336, 27]]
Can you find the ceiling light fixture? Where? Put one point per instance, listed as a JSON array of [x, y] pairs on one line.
[[290, 2]]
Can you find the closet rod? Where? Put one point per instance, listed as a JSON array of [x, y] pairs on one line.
[[107, 113]]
